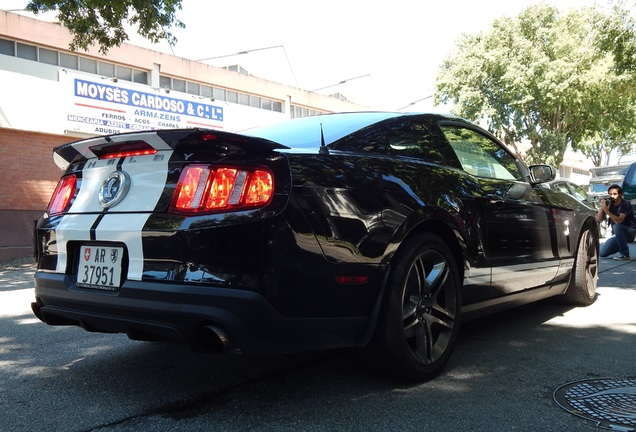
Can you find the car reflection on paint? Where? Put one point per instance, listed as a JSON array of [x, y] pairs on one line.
[[382, 231]]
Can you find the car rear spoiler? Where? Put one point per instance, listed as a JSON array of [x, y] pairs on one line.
[[159, 140]]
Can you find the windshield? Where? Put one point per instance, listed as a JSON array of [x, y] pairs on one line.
[[598, 188], [305, 132]]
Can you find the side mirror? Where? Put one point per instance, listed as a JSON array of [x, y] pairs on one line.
[[541, 173]]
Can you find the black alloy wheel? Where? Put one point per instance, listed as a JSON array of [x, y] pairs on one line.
[[420, 320], [584, 279]]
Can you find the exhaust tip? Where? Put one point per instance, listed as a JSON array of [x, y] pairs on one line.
[[215, 339]]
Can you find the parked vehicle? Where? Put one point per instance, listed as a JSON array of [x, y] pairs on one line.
[[573, 190], [581, 195], [374, 230], [604, 177]]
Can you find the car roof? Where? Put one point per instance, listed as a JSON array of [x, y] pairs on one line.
[[308, 132]]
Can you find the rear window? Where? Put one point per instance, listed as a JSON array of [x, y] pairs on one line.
[[305, 132]]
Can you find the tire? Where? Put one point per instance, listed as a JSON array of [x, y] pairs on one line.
[[420, 316], [581, 290]]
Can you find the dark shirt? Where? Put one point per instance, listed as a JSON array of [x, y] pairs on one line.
[[624, 207]]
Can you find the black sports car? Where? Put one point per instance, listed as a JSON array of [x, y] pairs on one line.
[[376, 230]]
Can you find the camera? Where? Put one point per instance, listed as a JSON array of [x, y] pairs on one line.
[[609, 201]]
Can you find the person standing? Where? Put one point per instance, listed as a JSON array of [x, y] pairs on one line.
[[622, 221]]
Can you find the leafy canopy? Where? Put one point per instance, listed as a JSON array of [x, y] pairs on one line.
[[102, 22], [553, 80]]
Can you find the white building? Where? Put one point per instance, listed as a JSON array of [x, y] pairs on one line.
[[50, 95]]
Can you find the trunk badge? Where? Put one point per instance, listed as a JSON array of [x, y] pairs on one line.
[[114, 189]]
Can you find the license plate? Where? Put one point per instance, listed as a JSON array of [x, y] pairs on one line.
[[100, 267]]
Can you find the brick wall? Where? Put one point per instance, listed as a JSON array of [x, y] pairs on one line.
[[28, 177]]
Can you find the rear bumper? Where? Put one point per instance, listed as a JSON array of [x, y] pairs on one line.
[[201, 317]]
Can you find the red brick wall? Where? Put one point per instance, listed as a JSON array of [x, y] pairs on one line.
[[28, 174], [28, 177]]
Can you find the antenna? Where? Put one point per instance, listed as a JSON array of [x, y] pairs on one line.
[[323, 148]]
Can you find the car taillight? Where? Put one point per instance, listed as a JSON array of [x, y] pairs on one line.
[[63, 195], [203, 188], [120, 150]]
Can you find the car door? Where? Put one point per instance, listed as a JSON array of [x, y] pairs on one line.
[[629, 185], [519, 229]]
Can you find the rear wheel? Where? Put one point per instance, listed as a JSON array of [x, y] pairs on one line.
[[582, 288], [420, 317]]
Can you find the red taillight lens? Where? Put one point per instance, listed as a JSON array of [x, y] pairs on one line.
[[191, 187], [63, 195], [202, 188], [260, 188], [223, 183]]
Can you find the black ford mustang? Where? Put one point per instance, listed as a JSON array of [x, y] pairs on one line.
[[376, 230]]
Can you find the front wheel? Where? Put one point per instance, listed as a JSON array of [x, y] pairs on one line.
[[583, 281], [420, 317]]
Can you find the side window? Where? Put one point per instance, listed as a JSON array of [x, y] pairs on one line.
[[481, 156], [409, 138], [579, 193], [562, 187]]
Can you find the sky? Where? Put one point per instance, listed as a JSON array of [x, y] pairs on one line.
[[387, 53]]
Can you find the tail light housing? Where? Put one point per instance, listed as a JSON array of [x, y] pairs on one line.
[[63, 196], [208, 189]]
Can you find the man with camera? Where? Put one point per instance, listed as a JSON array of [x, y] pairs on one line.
[[621, 217]]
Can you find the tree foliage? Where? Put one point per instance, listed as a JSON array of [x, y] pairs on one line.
[[98, 22], [554, 80]]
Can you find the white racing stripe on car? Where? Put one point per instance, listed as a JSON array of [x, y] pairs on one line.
[[71, 227], [123, 222], [125, 228]]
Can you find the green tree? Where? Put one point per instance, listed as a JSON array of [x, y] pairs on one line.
[[547, 78], [102, 22]]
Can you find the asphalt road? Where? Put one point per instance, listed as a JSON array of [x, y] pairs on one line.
[[501, 377]]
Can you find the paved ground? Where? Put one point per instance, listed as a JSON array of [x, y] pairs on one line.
[[501, 377]]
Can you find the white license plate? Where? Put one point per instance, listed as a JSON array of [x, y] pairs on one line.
[[100, 267]]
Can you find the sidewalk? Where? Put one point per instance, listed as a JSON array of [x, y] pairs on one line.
[[24, 263]]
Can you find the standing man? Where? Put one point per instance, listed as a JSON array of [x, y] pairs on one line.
[[622, 221]]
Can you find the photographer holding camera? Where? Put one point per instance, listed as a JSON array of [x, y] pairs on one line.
[[622, 221]]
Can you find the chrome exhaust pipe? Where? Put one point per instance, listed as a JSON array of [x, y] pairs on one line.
[[215, 338]]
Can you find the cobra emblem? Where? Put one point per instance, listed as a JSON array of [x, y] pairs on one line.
[[114, 189]]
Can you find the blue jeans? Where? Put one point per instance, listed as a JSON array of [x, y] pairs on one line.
[[618, 242]]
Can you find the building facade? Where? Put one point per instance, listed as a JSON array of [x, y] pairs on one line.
[[50, 95]]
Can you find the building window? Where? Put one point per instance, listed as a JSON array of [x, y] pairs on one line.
[[106, 69], [140, 77], [7, 47], [207, 91], [255, 102], [231, 96], [68, 61], [164, 82], [48, 56], [71, 61], [193, 88], [123, 73], [297, 112], [88, 65], [178, 85], [220, 94], [28, 52]]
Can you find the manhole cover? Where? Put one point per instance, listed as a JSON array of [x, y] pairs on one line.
[[611, 402]]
